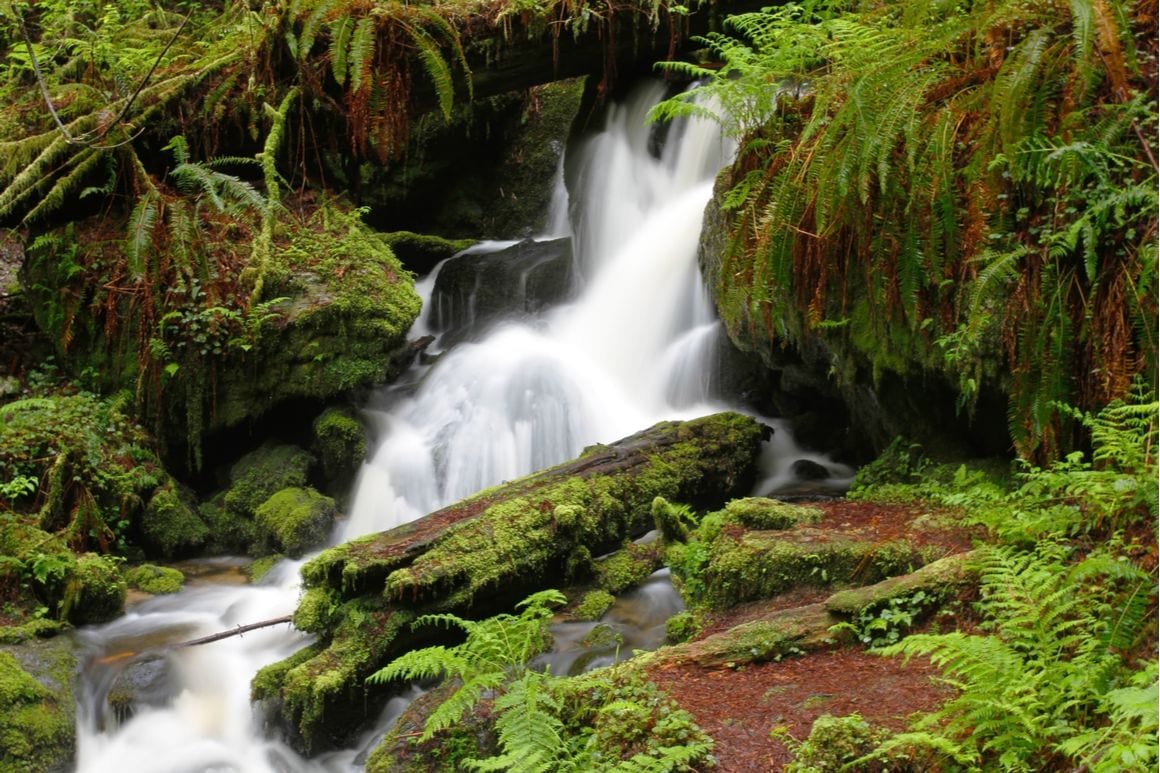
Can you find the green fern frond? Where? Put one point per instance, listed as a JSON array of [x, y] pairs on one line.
[[362, 50], [139, 240], [436, 68], [340, 36]]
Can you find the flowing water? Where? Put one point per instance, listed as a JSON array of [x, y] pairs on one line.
[[634, 346]]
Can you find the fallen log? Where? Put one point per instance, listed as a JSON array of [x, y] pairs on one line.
[[487, 552]]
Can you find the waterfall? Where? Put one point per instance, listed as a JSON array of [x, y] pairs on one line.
[[633, 346]]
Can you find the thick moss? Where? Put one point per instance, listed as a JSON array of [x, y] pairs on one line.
[[594, 604], [628, 567], [322, 695], [37, 719], [769, 514], [295, 520], [334, 306], [754, 565], [259, 474], [340, 444], [155, 579], [169, 526], [95, 591], [484, 550]]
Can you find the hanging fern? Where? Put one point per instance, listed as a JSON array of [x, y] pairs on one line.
[[937, 175]]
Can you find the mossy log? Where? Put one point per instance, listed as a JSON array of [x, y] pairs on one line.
[[802, 630], [486, 552]]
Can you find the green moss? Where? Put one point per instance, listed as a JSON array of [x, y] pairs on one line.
[[315, 612], [95, 591], [259, 474], [672, 520], [769, 514], [681, 627], [340, 443], [229, 531], [753, 565], [169, 526], [155, 579], [267, 683], [295, 520], [628, 567], [422, 251], [594, 604], [323, 695], [36, 723], [262, 566]]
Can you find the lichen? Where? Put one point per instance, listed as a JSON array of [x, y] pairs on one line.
[[294, 520], [155, 579]]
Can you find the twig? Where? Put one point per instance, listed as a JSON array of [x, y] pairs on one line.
[[238, 631]]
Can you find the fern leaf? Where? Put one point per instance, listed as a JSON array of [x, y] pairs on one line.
[[340, 36], [139, 241], [362, 49]]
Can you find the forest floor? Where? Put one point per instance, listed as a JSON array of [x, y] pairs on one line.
[[739, 706]]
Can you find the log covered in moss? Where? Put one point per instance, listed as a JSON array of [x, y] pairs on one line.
[[486, 552]]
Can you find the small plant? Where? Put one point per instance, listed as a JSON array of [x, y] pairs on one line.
[[887, 623]]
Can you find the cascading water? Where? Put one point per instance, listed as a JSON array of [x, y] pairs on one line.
[[631, 349]]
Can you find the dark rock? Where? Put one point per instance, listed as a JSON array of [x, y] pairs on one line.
[[474, 290], [804, 469]]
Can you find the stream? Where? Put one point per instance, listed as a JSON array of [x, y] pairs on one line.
[[634, 343]]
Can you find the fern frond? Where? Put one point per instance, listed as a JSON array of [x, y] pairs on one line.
[[362, 50], [340, 35], [139, 241]]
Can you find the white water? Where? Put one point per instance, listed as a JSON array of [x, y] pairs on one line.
[[632, 349]]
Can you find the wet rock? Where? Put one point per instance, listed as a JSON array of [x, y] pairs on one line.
[[805, 469], [474, 290]]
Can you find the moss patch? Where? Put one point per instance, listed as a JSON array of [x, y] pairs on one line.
[[769, 514], [594, 604], [37, 715], [295, 520], [170, 527], [95, 591], [339, 441], [155, 579]]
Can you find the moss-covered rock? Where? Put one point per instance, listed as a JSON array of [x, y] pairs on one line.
[[155, 579], [317, 311], [95, 591], [170, 527], [37, 712], [295, 520], [593, 605], [259, 474], [254, 478], [340, 444], [769, 514]]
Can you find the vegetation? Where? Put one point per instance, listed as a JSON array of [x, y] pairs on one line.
[[963, 190], [599, 721], [1061, 671]]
